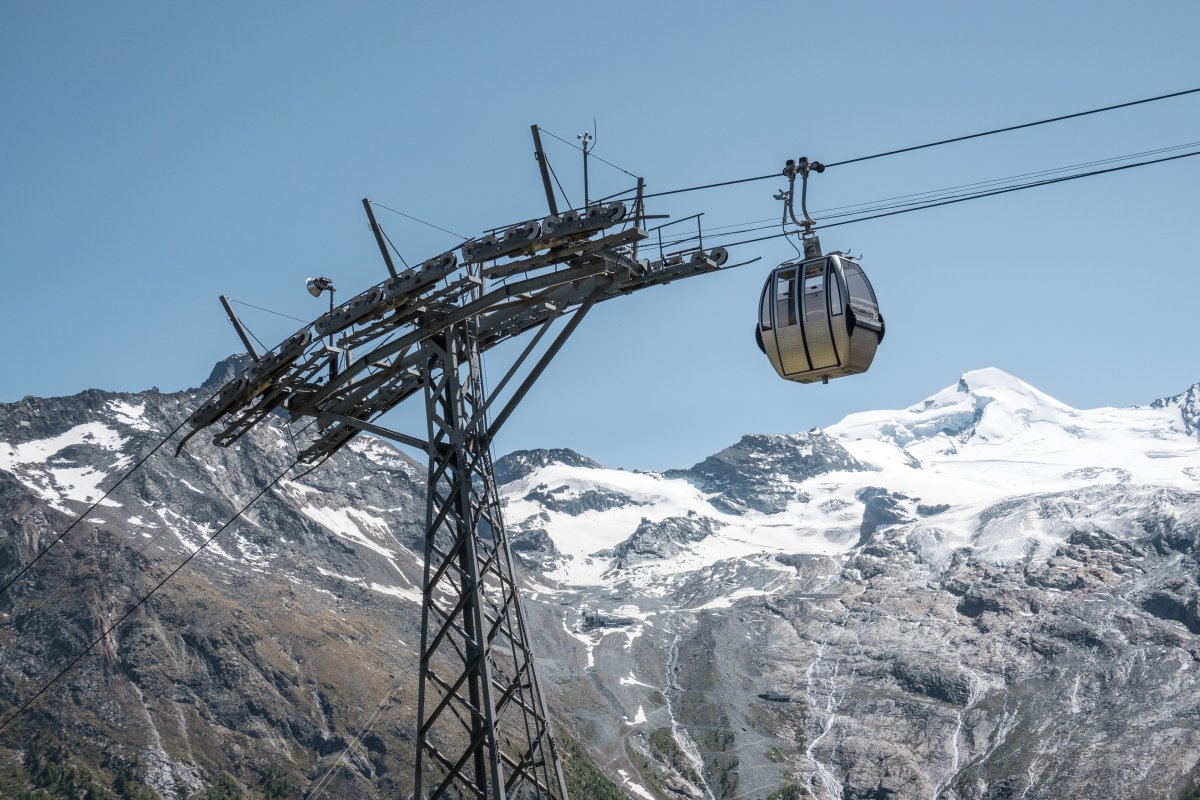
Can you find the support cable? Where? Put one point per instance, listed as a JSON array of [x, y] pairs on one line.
[[423, 222], [554, 175], [927, 195], [941, 141], [145, 597], [260, 341], [994, 131], [591, 153], [710, 185], [323, 782], [885, 204], [979, 195], [913, 199], [936, 197], [394, 250], [269, 311]]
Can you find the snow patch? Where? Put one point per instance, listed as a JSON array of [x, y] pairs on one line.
[[636, 788], [38, 465], [727, 601], [129, 415], [352, 525], [410, 595]]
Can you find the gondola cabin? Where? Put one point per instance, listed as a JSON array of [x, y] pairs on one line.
[[819, 319]]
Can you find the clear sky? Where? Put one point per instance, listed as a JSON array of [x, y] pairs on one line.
[[156, 155]]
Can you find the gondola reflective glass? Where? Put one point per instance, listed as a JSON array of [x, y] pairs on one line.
[[819, 319]]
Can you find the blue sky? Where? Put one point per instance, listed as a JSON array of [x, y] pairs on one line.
[[157, 155]]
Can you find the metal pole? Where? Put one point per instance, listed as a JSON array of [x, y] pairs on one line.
[[541, 159], [333, 356], [375, 229], [585, 171], [237, 326], [639, 211], [539, 367]]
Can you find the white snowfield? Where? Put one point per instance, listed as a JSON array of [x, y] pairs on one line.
[[42, 467], [987, 439]]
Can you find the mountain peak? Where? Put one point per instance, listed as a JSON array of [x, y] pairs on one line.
[[989, 378], [990, 386], [994, 384], [519, 463], [739, 473], [226, 370], [989, 404], [1188, 403]]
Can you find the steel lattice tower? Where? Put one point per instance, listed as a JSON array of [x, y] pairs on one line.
[[483, 730]]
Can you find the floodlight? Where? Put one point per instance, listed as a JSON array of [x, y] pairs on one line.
[[317, 285]]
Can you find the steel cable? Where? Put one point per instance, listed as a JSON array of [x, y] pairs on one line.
[[93, 506], [940, 142], [590, 153], [994, 131], [45, 687], [978, 195]]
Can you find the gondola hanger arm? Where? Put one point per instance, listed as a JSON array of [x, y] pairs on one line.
[[802, 168]]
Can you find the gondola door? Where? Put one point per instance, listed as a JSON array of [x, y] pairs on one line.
[[820, 283], [789, 332]]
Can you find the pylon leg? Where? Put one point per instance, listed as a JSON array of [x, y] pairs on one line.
[[483, 730]]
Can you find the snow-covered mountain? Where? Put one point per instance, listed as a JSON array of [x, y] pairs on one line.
[[936, 468], [988, 594]]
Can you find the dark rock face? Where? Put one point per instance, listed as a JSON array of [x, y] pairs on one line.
[[1169, 606], [520, 463], [561, 499], [747, 475], [534, 543], [933, 679], [653, 540], [880, 509], [1188, 404], [932, 510]]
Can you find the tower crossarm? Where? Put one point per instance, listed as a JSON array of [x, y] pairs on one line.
[[373, 365]]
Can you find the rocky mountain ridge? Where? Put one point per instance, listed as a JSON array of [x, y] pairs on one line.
[[988, 594]]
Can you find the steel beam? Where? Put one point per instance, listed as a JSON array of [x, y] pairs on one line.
[[379, 430], [540, 154], [237, 326], [375, 229]]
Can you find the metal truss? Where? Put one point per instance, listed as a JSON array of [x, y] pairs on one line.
[[483, 730]]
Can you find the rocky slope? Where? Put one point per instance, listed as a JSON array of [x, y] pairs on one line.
[[236, 668], [986, 595]]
